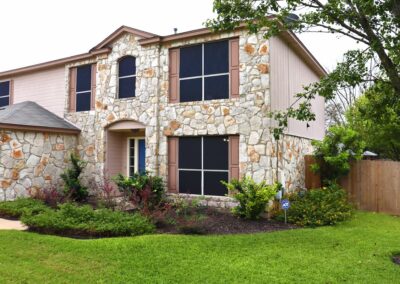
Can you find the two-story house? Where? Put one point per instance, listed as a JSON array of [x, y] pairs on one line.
[[190, 107]]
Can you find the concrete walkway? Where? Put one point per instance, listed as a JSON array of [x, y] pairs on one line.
[[11, 225]]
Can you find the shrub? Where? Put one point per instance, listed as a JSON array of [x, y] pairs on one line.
[[73, 188], [144, 191], [51, 196], [73, 220], [21, 206], [318, 207], [252, 197]]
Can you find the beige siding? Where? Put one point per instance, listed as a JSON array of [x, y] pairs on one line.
[[47, 88], [289, 73]]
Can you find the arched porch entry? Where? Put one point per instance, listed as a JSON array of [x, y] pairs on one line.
[[125, 148]]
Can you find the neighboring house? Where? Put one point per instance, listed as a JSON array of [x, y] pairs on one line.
[[190, 107]]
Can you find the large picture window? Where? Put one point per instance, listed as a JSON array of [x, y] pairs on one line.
[[203, 163], [126, 77], [83, 87], [204, 72], [4, 93]]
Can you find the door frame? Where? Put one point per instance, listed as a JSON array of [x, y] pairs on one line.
[[128, 162]]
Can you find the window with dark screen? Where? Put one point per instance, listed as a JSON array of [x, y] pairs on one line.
[[83, 87], [204, 72], [4, 93], [203, 163], [126, 77]]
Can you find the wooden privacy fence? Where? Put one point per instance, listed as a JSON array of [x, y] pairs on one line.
[[373, 185]]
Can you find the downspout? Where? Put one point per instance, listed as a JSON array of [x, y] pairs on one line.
[[157, 111]]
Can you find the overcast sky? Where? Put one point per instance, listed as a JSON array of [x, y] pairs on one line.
[[43, 30]]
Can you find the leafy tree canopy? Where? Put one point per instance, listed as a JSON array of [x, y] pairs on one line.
[[374, 24]]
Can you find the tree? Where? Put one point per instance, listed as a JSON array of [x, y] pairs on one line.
[[374, 24], [376, 117]]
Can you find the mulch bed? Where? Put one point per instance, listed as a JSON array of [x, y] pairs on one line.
[[218, 221], [396, 259]]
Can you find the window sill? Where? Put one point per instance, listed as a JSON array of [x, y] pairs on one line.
[[205, 102]]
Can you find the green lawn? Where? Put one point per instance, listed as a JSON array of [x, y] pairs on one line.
[[355, 252]]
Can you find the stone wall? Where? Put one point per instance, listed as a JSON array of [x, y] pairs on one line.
[[32, 160]]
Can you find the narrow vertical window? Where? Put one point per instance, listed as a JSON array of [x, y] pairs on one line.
[[126, 77], [137, 156], [4, 93], [83, 88]]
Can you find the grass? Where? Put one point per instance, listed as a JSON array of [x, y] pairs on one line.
[[357, 251]]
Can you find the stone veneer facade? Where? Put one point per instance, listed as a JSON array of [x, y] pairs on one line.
[[33, 160], [245, 116], [30, 161]]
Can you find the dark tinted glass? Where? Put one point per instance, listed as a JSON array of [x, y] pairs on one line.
[[191, 90], [216, 87], [190, 182], [127, 66], [126, 88], [83, 101], [4, 88], [190, 153], [4, 101], [215, 152], [212, 183], [83, 78], [190, 61], [216, 57]]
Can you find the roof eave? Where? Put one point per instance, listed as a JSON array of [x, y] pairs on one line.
[[54, 63], [39, 128]]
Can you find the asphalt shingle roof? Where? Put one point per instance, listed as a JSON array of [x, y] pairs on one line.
[[30, 114]]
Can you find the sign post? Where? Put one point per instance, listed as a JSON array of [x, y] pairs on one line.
[[285, 206]]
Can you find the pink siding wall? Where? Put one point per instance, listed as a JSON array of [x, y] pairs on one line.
[[47, 88], [116, 153], [289, 73]]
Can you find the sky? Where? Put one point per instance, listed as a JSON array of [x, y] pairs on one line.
[[42, 30]]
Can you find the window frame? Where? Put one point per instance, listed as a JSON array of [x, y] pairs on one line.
[[136, 154], [202, 169], [85, 91], [9, 92], [124, 77], [203, 76]]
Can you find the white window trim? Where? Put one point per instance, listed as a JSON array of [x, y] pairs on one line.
[[136, 157], [203, 76], [202, 170]]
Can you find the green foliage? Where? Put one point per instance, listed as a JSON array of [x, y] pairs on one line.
[[375, 24], [21, 206], [143, 190], [253, 197], [318, 207], [73, 188], [335, 151], [74, 220], [376, 117]]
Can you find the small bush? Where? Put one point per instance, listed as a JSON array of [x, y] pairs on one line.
[[73, 188], [83, 221], [51, 196], [253, 197], [318, 207], [20, 206], [144, 191]]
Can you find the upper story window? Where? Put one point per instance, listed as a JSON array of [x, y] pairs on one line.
[[4, 93], [206, 71], [82, 87], [126, 77]]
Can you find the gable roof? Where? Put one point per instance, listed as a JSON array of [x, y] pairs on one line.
[[31, 116], [120, 31]]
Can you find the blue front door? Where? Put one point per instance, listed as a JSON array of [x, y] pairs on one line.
[[142, 156]]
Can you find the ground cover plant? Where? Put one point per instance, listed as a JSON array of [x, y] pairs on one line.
[[20, 206], [83, 221], [357, 251]]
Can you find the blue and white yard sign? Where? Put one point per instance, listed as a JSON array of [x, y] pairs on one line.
[[285, 204]]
